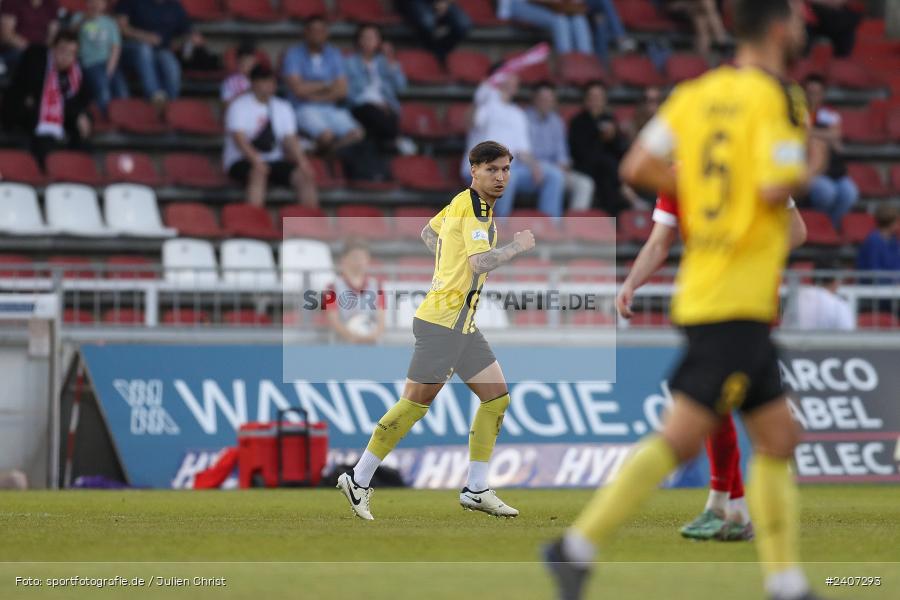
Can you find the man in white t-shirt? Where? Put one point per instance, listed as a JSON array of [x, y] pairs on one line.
[[819, 307], [261, 144]]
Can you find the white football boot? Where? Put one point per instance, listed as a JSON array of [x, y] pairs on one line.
[[486, 501], [357, 495]]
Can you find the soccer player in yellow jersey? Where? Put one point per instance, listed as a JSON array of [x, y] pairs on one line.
[[463, 238], [738, 137]]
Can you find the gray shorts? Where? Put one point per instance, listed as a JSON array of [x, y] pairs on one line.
[[440, 352]]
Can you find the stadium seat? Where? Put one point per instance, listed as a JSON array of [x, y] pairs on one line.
[[524, 268], [73, 209], [245, 317], [20, 213], [193, 219], [856, 226], [131, 167], [204, 10], [409, 221], [304, 222], [420, 66], [543, 227], [420, 120], [624, 114], [365, 11], [326, 179], [185, 316], [131, 210], [682, 66], [189, 262], [73, 167], [481, 12], [819, 230], [847, 73], [877, 320], [636, 70], [534, 74], [593, 226], [74, 316], [592, 318], [304, 9], [635, 225], [305, 264], [642, 15], [13, 266], [457, 119], [192, 116], [362, 220], [868, 179], [123, 316], [192, 170], [260, 11], [893, 123], [530, 318], [412, 268], [861, 126], [590, 270], [895, 178], [137, 116], [19, 166], [72, 267], [576, 68], [246, 220], [468, 66], [73, 6], [129, 267], [248, 263], [420, 173], [649, 319], [568, 112]]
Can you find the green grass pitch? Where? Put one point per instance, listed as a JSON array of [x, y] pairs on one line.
[[306, 544]]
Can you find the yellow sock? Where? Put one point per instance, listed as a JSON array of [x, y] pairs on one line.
[[637, 479], [486, 428], [395, 424], [772, 497]]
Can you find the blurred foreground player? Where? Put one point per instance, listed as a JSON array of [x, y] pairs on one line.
[[738, 137], [725, 516], [463, 238]]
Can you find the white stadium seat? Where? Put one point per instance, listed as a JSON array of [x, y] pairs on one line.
[[131, 209], [73, 209], [248, 263], [189, 262], [300, 256], [19, 211]]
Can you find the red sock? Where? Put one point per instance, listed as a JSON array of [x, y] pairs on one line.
[[737, 482], [722, 450]]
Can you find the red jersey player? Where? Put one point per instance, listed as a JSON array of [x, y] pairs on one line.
[[725, 516]]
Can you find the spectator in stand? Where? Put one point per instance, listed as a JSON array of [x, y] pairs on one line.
[[239, 82], [441, 24], [548, 138], [881, 249], [608, 29], [47, 97], [314, 74], [154, 30], [356, 311], [374, 78], [819, 307], [23, 23], [99, 50], [261, 143], [645, 111], [566, 20], [705, 18], [597, 145], [835, 19], [831, 190]]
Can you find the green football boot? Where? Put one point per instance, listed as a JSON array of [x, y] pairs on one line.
[[704, 527], [732, 531]]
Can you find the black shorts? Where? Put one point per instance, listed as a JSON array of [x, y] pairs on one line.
[[441, 351], [728, 366], [280, 172]]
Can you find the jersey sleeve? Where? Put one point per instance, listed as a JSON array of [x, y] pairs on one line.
[[437, 220], [475, 229], [666, 210], [780, 147]]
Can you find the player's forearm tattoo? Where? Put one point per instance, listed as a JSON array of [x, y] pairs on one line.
[[430, 237], [488, 261]]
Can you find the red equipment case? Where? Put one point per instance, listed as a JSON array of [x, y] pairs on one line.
[[281, 453]]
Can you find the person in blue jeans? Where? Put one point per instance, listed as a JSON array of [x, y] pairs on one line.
[[608, 28], [570, 32], [440, 24], [99, 50], [153, 29]]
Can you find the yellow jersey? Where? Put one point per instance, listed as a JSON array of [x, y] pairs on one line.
[[734, 131], [465, 227]]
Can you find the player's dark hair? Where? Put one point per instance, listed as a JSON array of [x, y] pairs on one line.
[[752, 18], [486, 152], [69, 36]]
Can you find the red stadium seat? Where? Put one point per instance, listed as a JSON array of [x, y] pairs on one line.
[[857, 226], [819, 230], [635, 225], [72, 267], [129, 267], [420, 173], [192, 170], [895, 178], [568, 112], [131, 167], [15, 266], [593, 226], [642, 15], [304, 9], [78, 317], [804, 266], [590, 270], [245, 317], [123, 316], [193, 219], [410, 220], [204, 10], [362, 220], [19, 166], [684, 66], [325, 178], [580, 69], [133, 115], [260, 11], [530, 318], [304, 222], [73, 6], [481, 12], [468, 66], [524, 268], [193, 117], [420, 120], [588, 318], [868, 179], [185, 316], [413, 268], [861, 126], [73, 167], [457, 119], [542, 226], [420, 66], [636, 70], [535, 74], [624, 115], [650, 319], [877, 320], [246, 220], [365, 11], [893, 123], [847, 73]]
